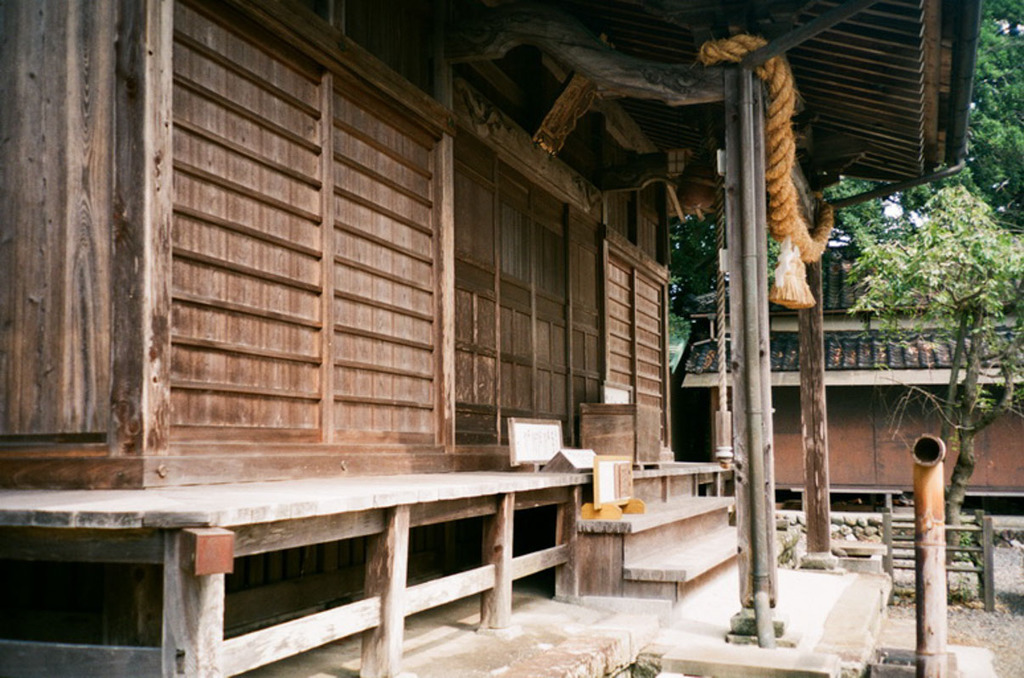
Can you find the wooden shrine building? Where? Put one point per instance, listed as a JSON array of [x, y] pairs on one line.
[[277, 273]]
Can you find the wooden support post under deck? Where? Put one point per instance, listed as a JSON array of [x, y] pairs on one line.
[[387, 561], [496, 604], [567, 581], [814, 418], [193, 633]]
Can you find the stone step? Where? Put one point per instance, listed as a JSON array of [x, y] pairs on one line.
[[741, 661], [687, 561], [609, 647], [657, 515]]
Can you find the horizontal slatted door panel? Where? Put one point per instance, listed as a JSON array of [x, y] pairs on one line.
[[650, 345], [246, 313], [384, 302], [619, 311], [584, 261]]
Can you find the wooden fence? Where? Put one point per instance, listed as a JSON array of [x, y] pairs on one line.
[[976, 555]]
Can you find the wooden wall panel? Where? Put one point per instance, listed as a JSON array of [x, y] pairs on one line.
[[650, 349], [635, 317], [476, 296], [246, 275], [585, 293], [620, 331], [384, 284], [56, 108]]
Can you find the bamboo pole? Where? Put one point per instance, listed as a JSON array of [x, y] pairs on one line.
[[930, 556]]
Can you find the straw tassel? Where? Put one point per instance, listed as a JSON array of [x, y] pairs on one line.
[[791, 289]]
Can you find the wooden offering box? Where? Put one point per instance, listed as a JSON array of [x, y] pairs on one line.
[[624, 430]]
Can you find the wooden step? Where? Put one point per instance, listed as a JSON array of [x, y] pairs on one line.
[[657, 515], [684, 562]]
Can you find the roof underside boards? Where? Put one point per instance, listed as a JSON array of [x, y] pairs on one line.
[[864, 78]]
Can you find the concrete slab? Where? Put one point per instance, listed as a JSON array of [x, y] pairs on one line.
[[973, 662], [727, 661]]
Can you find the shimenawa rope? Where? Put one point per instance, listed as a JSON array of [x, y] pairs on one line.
[[786, 222]]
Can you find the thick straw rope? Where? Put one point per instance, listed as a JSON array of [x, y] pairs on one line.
[[784, 216]]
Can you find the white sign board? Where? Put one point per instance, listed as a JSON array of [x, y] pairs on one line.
[[533, 441], [613, 480], [616, 396]]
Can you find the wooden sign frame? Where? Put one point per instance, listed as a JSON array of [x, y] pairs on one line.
[[527, 441], [617, 470]]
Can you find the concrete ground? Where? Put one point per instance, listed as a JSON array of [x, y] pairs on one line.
[[973, 662], [833, 621]]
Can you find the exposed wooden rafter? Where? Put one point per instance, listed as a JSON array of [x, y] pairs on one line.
[[500, 132], [643, 170], [572, 103], [561, 35]]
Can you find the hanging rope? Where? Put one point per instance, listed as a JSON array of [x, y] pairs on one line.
[[785, 218]]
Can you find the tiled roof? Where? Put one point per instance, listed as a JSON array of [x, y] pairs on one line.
[[846, 350], [837, 288]]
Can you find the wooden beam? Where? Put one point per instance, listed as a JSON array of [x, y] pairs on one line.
[[516, 148], [82, 545], [561, 35], [193, 628], [444, 590], [496, 604], [444, 258], [141, 245], [387, 562], [455, 509], [567, 585], [642, 170], [538, 561], [814, 418], [793, 38], [572, 104], [286, 534], [208, 550], [29, 658], [619, 124], [251, 650]]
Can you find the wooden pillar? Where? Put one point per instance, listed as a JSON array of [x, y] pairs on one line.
[[193, 630], [740, 159], [387, 564], [444, 198], [327, 235], [141, 254], [567, 583], [814, 418], [444, 191], [496, 604]]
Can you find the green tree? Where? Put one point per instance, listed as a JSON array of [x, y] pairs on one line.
[[996, 143], [960, 275]]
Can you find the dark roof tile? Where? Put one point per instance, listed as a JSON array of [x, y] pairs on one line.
[[845, 350]]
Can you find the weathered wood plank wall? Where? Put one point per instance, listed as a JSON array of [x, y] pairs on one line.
[[247, 323], [302, 252], [264, 226], [56, 104]]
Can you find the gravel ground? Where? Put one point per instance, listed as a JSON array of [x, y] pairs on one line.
[[1001, 631]]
